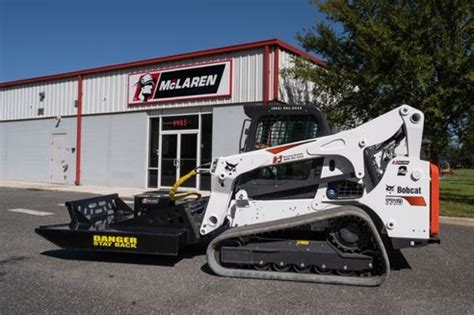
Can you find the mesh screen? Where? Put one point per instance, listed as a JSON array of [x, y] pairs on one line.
[[275, 130]]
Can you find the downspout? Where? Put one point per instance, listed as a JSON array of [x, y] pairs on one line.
[[266, 75], [276, 72], [79, 130]]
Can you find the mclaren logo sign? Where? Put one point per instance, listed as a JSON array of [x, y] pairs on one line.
[[203, 81]]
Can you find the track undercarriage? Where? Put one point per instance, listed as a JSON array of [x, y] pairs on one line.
[[348, 251]]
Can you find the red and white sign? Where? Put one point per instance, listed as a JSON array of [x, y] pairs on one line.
[[203, 81]]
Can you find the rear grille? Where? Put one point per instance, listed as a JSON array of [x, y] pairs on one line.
[[345, 189]]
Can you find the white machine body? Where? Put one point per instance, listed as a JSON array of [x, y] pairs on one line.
[[400, 198]]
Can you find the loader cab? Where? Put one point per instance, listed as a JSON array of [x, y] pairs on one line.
[[273, 125], [278, 123]]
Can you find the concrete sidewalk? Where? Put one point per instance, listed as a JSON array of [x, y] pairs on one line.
[[100, 190], [457, 221], [125, 192]]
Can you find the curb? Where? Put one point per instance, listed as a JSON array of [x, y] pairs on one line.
[[126, 192], [457, 221]]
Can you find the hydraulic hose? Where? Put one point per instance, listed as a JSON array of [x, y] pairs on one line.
[[172, 194]]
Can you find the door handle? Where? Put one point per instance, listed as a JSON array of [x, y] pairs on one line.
[[175, 162]]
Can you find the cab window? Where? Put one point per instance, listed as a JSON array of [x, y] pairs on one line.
[[276, 130]]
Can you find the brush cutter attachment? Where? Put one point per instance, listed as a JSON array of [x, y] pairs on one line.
[[156, 225]]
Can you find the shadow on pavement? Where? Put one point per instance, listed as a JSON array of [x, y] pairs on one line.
[[206, 269], [125, 258], [397, 260]]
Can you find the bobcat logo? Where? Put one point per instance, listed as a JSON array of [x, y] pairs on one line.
[[390, 189]]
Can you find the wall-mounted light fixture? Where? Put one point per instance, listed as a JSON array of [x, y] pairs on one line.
[[58, 121], [41, 95]]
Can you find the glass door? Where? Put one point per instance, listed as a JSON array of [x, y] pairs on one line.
[[178, 157], [169, 159], [188, 157], [178, 144]]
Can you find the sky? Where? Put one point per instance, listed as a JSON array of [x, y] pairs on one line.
[[43, 37]]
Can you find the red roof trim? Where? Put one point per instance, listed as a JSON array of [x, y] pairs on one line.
[[195, 54], [300, 52]]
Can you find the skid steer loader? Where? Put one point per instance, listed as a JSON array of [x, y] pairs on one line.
[[299, 203]]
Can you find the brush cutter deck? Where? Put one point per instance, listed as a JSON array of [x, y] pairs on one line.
[[156, 225]]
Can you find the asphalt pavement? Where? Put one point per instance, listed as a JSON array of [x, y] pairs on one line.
[[37, 277]]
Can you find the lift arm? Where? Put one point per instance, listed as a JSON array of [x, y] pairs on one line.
[[348, 144]]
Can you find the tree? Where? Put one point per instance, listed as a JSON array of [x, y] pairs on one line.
[[383, 53]]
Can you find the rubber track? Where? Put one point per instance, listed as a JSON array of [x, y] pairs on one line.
[[212, 255]]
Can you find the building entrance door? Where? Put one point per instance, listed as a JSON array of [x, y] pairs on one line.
[[179, 156], [178, 144], [58, 144]]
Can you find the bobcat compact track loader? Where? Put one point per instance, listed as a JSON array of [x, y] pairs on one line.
[[298, 204]]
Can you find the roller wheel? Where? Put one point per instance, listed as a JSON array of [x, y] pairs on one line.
[[300, 269], [345, 273], [321, 271], [281, 268], [262, 267]]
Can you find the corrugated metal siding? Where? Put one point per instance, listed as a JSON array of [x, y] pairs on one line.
[[25, 149], [2, 106], [226, 143], [271, 75], [22, 102], [107, 92], [3, 150], [293, 91], [114, 150]]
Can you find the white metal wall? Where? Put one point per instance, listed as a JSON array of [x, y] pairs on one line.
[[23, 101], [107, 92], [290, 90], [114, 150], [25, 149], [226, 143]]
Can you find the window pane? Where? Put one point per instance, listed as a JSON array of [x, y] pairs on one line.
[[276, 130], [206, 139], [152, 178], [206, 149], [180, 122], [154, 139]]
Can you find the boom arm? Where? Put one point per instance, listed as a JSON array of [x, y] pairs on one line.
[[348, 144]]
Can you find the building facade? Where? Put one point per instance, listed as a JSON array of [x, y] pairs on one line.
[[140, 124]]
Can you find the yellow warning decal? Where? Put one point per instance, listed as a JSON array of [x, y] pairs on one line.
[[302, 242], [114, 241]]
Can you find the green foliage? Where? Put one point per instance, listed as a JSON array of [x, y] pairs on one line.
[[457, 194], [467, 150], [392, 52]]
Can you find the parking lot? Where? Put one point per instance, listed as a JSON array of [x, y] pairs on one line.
[[37, 277]]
